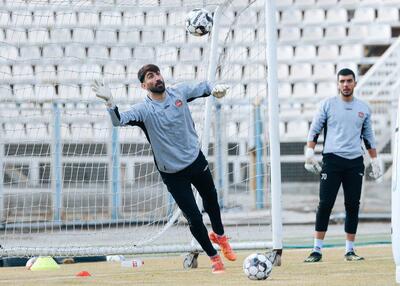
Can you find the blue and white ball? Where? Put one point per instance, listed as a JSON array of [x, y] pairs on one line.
[[199, 22], [257, 266]]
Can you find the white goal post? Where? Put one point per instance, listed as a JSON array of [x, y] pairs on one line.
[[73, 185]]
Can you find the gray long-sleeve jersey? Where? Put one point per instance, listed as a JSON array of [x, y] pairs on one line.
[[346, 125], [168, 125]]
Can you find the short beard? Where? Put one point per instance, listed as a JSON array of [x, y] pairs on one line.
[[347, 95], [158, 88]]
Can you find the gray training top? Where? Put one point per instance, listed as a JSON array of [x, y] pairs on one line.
[[346, 125], [168, 125]]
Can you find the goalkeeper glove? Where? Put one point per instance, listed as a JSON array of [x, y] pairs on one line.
[[376, 169], [219, 90], [311, 163], [103, 92]]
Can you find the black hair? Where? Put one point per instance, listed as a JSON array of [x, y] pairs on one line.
[[145, 69], [346, 71]]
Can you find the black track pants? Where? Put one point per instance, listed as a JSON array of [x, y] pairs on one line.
[[179, 185], [335, 171]]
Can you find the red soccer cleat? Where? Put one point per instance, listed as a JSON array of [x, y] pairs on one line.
[[223, 243]]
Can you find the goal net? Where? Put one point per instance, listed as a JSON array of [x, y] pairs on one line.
[[70, 183]]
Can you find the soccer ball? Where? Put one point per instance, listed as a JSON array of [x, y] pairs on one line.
[[198, 22], [257, 266]]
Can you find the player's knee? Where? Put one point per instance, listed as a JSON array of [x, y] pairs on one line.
[[324, 207], [195, 220], [352, 207]]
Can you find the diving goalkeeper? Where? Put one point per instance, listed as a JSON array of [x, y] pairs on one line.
[[165, 118]]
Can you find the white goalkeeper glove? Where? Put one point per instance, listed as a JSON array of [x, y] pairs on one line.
[[311, 163], [376, 169], [103, 91], [219, 90]]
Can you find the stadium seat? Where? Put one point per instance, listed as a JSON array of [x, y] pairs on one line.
[[114, 72], [38, 35], [232, 71], [166, 54], [312, 33], [326, 3], [156, 18], [45, 73], [106, 36], [89, 72], [43, 18], [110, 18], [68, 91], [174, 35], [244, 35], [304, 2], [256, 53], [8, 53], [284, 90], [364, 15], [45, 92], [189, 54], [28, 53], [328, 52], [240, 53], [289, 34], [297, 129], [283, 71], [60, 35], [352, 51], [132, 70], [227, 18], [16, 35], [284, 3], [2, 36], [291, 16], [237, 91], [75, 51], [303, 89], [88, 19], [254, 72], [305, 52], [336, 33], [379, 32], [15, 131], [300, 71], [387, 15], [83, 35], [121, 53], [24, 92], [66, 18], [350, 65], [152, 36], [97, 52], [5, 18], [6, 93], [81, 130], [53, 52], [21, 18], [22, 72], [284, 52], [5, 73], [326, 89], [68, 72], [129, 36], [119, 92], [184, 72], [87, 94], [358, 32], [247, 17], [131, 18], [336, 16], [142, 53], [177, 18], [324, 70], [314, 16]]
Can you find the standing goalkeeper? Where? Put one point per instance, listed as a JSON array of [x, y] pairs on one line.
[[346, 121], [166, 120]]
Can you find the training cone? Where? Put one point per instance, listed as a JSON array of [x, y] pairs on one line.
[[44, 263], [83, 274]]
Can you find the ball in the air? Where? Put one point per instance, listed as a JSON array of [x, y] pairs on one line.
[[198, 22]]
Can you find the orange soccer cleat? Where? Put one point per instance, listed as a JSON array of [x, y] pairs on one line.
[[217, 265], [223, 243]]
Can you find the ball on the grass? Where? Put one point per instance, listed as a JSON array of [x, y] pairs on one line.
[[257, 266]]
